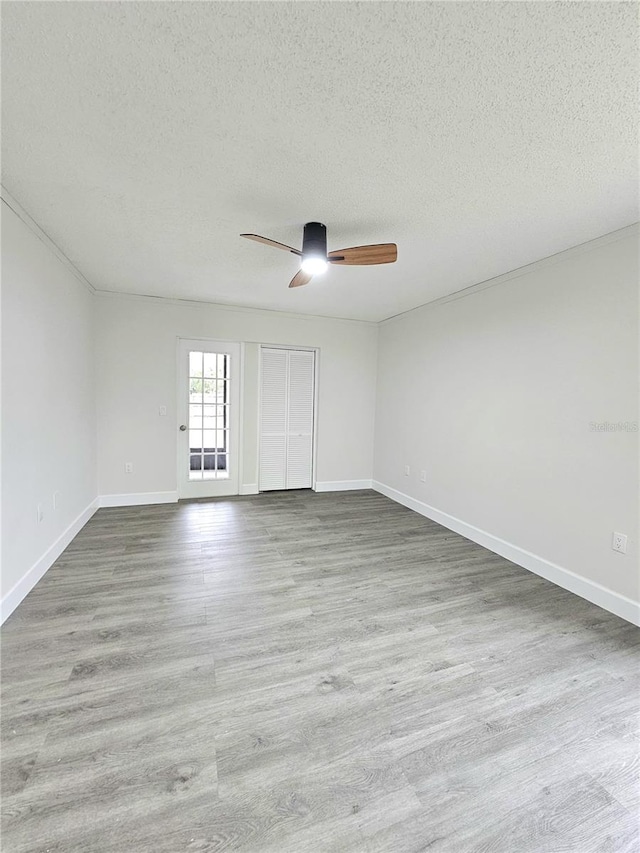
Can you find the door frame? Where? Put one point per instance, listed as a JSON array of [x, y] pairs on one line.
[[316, 400], [182, 409]]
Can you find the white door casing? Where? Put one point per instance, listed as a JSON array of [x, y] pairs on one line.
[[286, 429], [208, 435]]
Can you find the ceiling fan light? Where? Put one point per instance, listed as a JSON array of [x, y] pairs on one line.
[[314, 264]]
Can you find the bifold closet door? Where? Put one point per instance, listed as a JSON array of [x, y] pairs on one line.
[[273, 419], [286, 418], [300, 419]]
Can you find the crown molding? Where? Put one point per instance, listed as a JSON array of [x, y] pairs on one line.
[[229, 306], [550, 260], [42, 235]]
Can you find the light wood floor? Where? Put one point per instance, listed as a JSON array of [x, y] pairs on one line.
[[298, 672]]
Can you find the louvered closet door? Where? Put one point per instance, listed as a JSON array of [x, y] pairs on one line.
[[286, 419], [273, 419], [300, 419]]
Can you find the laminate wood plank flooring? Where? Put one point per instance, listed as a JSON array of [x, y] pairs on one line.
[[299, 672]]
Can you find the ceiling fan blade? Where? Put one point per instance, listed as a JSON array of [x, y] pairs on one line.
[[300, 278], [378, 253], [269, 242]]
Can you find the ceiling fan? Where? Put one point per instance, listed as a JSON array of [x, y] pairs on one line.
[[315, 258]]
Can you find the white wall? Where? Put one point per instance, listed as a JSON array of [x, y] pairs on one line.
[[493, 394], [136, 374], [48, 409]]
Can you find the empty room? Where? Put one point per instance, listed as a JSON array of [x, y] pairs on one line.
[[320, 407]]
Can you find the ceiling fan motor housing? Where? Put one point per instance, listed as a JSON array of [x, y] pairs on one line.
[[314, 240]]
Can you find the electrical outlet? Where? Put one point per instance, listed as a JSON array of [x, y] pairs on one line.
[[162, 411], [128, 467], [619, 543], [407, 470], [57, 497], [423, 476], [39, 513]]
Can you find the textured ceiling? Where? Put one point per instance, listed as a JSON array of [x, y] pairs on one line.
[[144, 137]]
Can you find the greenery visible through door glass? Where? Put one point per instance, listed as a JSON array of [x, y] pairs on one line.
[[209, 388], [195, 387]]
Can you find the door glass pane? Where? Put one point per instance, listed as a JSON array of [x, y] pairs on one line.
[[211, 364], [210, 471], [195, 467], [195, 364], [209, 396]]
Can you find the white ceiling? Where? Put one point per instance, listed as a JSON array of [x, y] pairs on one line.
[[144, 137]]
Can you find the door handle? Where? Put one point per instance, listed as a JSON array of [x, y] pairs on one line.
[[183, 427]]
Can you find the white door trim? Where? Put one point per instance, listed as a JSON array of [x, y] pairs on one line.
[[210, 488], [316, 378]]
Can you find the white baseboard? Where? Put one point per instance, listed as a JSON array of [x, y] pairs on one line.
[[249, 489], [138, 499], [26, 583], [342, 485], [622, 606]]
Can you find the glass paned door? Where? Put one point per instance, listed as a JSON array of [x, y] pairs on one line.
[[208, 431], [209, 415]]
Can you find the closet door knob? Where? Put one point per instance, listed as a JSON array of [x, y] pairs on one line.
[[183, 427]]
